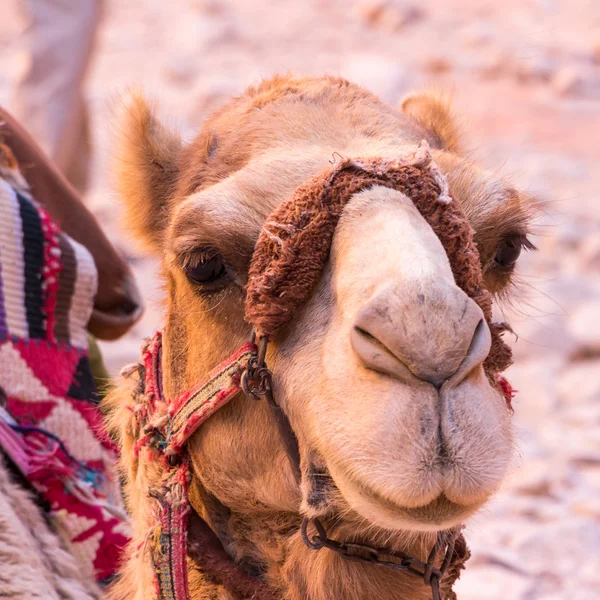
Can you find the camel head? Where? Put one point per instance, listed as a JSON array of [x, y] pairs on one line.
[[380, 372]]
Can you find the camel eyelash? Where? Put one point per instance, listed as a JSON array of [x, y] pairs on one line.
[[196, 256], [527, 244], [509, 250]]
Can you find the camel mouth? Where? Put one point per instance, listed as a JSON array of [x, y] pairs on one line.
[[437, 514]]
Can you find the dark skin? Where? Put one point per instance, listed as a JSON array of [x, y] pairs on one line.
[[118, 304]]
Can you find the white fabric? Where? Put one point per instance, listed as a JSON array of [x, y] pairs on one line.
[[11, 261]]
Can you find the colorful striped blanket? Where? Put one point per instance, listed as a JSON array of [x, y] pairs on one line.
[[52, 432]]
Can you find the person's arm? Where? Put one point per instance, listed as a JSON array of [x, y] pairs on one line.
[[118, 304]]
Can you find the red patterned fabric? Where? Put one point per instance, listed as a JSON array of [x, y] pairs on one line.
[[51, 429]]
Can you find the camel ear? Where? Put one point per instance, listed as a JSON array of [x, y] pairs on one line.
[[146, 168], [434, 112]]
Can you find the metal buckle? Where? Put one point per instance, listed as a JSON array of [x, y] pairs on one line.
[[256, 379]]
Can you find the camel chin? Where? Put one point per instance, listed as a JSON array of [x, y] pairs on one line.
[[437, 515]]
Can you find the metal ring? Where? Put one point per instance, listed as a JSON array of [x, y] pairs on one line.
[[320, 529], [245, 387], [316, 543], [174, 460]]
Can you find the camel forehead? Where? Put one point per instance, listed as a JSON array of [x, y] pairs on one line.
[[287, 111], [323, 105]]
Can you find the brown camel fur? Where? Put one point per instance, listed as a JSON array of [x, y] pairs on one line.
[[380, 372]]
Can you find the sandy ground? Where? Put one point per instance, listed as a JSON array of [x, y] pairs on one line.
[[526, 78]]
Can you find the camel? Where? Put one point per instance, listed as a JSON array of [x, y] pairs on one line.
[[400, 433]]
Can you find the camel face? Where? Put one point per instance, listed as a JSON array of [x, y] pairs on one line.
[[381, 372]]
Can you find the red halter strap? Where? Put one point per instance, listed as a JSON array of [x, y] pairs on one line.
[[165, 426], [171, 422]]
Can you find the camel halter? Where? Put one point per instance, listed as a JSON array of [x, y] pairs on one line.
[[288, 260]]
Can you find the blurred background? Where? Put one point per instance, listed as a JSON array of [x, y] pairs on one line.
[[526, 80]]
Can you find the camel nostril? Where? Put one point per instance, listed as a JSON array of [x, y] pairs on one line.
[[478, 350], [366, 334], [479, 343], [376, 356]]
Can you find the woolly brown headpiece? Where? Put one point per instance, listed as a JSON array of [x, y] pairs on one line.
[[295, 241]]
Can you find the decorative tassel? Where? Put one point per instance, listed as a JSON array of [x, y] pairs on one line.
[[507, 390]]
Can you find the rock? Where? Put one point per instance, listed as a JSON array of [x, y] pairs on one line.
[[540, 510], [580, 442], [437, 65], [535, 382], [535, 69], [392, 15], [181, 69], [573, 234], [210, 92], [569, 546], [534, 478], [579, 383], [568, 81], [577, 82], [492, 63], [596, 52], [200, 33], [587, 507], [213, 7], [477, 33], [490, 554], [491, 583], [549, 6], [584, 325], [589, 252], [582, 416]]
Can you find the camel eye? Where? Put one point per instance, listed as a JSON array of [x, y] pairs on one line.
[[206, 269], [510, 249]]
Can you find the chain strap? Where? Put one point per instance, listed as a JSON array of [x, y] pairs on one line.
[[397, 561]]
